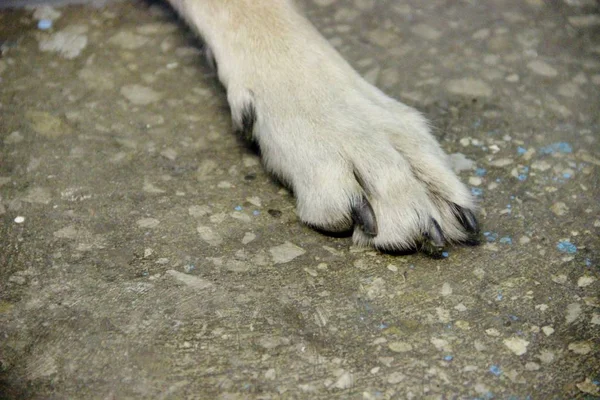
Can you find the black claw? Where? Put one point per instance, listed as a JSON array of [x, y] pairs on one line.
[[364, 216], [467, 219], [436, 236], [433, 243]]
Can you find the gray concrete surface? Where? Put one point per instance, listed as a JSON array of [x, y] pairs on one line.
[[145, 253]]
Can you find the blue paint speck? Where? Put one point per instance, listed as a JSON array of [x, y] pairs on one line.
[[44, 24], [567, 175], [496, 370], [513, 317], [255, 212], [560, 147], [445, 254], [480, 171], [476, 191], [505, 240], [383, 325], [566, 247], [588, 262], [522, 177], [238, 208], [521, 150], [499, 297], [448, 358], [490, 236]]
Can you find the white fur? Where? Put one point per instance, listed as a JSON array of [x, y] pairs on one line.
[[320, 126]]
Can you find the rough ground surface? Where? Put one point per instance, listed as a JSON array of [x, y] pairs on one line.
[[145, 253]]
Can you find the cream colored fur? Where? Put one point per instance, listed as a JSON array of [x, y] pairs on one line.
[[335, 139]]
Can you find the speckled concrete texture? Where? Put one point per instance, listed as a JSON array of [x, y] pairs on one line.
[[145, 254]]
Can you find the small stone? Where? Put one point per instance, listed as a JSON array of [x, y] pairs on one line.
[[524, 240], [546, 356], [38, 195], [209, 236], [47, 124], [469, 87], [19, 219], [532, 366], [559, 208], [580, 347], [560, 279], [148, 223], [501, 162], [589, 387], [573, 312], [248, 237], [460, 307], [14, 138], [542, 68], [286, 252], [69, 42], [585, 281], [128, 40], [396, 377], [400, 347], [595, 319], [345, 381], [140, 95], [18, 279], [585, 21], [199, 211], [459, 162], [516, 345], [548, 330], [475, 181], [492, 332], [446, 289], [426, 32], [192, 281]]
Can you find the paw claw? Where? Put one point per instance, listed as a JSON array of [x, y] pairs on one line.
[[435, 235], [364, 217], [467, 219]]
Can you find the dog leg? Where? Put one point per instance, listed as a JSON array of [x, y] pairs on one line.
[[354, 157]]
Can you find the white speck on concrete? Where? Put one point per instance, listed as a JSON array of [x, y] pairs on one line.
[[128, 40], [148, 223], [469, 87], [38, 195], [192, 281], [345, 381], [248, 237], [459, 162], [209, 236], [396, 377], [516, 345], [492, 332], [400, 347], [580, 347], [446, 289], [69, 42], [542, 68], [585, 21], [585, 280], [426, 32], [285, 253], [573, 312], [548, 330], [140, 95], [199, 211], [46, 12], [19, 219]]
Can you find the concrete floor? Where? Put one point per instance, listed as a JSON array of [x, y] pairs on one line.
[[146, 254]]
